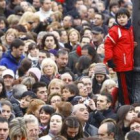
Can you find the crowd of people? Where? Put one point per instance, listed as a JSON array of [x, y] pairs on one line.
[[66, 69]]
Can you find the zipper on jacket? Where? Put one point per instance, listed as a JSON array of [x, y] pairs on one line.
[[124, 58]]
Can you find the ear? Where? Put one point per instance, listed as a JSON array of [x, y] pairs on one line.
[[109, 104]]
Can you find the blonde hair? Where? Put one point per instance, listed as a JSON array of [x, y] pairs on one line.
[[74, 30], [47, 61], [57, 82], [17, 127], [106, 83]]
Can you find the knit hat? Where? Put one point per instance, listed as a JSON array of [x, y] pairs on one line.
[[100, 68], [8, 72], [36, 72], [123, 110]]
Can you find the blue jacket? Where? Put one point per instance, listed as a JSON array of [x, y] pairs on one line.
[[10, 62]]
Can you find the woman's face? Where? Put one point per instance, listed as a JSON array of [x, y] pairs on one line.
[[10, 37], [6, 111], [55, 124], [2, 25], [100, 77], [55, 99], [130, 115], [49, 70], [73, 37], [55, 89], [1, 87], [44, 117]]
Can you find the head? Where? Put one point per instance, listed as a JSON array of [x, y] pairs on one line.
[[4, 127], [81, 112], [17, 129], [73, 36], [104, 101], [67, 21], [2, 89], [55, 86], [7, 109], [62, 59], [69, 90], [133, 135], [107, 130], [34, 107], [40, 89], [99, 18], [72, 128], [122, 16], [85, 39], [45, 4], [17, 48], [135, 125], [32, 127], [108, 86], [87, 82], [49, 67], [54, 99], [33, 50], [67, 78], [8, 78], [45, 113], [26, 98], [64, 108], [49, 41], [56, 122]]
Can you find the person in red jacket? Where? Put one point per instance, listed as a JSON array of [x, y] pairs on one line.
[[119, 50]]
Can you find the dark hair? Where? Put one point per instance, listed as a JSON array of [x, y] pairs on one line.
[[16, 43], [2, 18], [61, 52], [28, 93], [122, 11], [92, 52], [108, 96], [55, 40], [133, 135], [38, 85], [112, 4], [102, 15], [59, 137], [3, 92], [47, 109], [3, 120], [32, 46], [20, 28], [18, 9], [72, 88], [72, 122]]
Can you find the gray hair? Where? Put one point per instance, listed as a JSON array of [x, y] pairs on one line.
[[18, 90]]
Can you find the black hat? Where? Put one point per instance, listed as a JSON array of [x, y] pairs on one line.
[[97, 30]]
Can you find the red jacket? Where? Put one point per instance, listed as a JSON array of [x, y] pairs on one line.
[[61, 1], [119, 46]]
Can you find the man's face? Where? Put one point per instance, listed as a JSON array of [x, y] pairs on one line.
[[91, 13], [17, 52], [135, 127], [72, 132], [79, 3], [102, 132], [32, 131], [98, 20], [85, 41], [42, 56], [4, 131], [2, 4], [67, 78], [8, 80], [82, 90], [46, 5], [62, 60], [42, 93], [88, 84], [102, 103], [36, 3], [49, 42], [82, 113], [67, 21]]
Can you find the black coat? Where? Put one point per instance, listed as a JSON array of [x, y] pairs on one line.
[[96, 117]]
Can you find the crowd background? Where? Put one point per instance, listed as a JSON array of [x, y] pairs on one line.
[[54, 81]]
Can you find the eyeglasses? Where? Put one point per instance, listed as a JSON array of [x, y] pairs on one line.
[[136, 127]]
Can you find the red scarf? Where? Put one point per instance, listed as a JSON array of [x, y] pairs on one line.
[[61, 1], [78, 50]]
